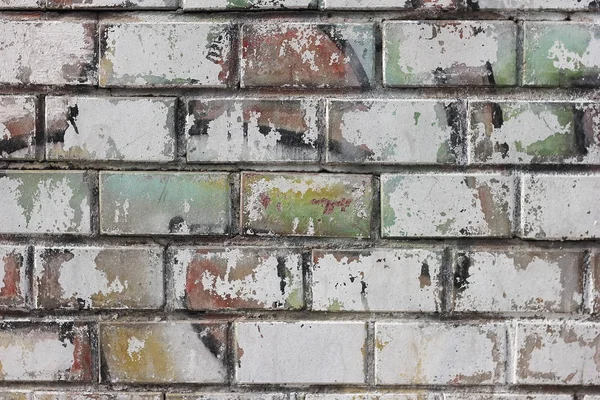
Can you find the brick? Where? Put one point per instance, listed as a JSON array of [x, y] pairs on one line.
[[301, 352], [376, 280], [116, 4], [558, 353], [98, 277], [21, 4], [14, 285], [95, 396], [252, 130], [463, 53], [229, 278], [446, 205], [229, 396], [560, 207], [306, 204], [200, 5], [390, 4], [560, 54], [45, 202], [536, 4], [163, 352], [43, 52], [423, 353], [167, 50], [17, 127], [595, 283], [127, 129], [394, 131], [414, 395], [534, 133], [45, 352], [155, 203], [16, 395], [506, 396], [521, 280], [298, 55]]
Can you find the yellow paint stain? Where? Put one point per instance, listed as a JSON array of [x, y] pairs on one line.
[[380, 345]]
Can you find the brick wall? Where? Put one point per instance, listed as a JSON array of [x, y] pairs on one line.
[[299, 200]]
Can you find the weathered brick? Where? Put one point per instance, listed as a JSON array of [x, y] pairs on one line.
[[534, 133], [44, 52], [127, 129], [306, 204], [595, 284], [506, 396], [390, 4], [301, 352], [376, 280], [421, 353], [412, 395], [252, 130], [16, 395], [21, 4], [163, 352], [307, 55], [14, 285], [17, 127], [153, 203], [560, 206], [561, 54], [522, 280], [98, 277], [217, 278], [44, 202], [394, 131], [117, 4], [45, 352], [558, 353], [164, 50], [229, 396], [456, 53], [95, 396], [200, 5], [537, 4], [436, 205]]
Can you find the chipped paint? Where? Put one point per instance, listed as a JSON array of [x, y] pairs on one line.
[[14, 281], [17, 127], [247, 4], [137, 130], [324, 205], [378, 280], [390, 4], [536, 4], [252, 130], [450, 53], [42, 395]]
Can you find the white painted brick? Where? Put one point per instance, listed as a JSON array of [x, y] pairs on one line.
[[560, 206], [21, 4], [388, 4], [199, 5], [38, 52], [228, 396], [17, 127], [376, 280], [117, 4], [421, 353], [413, 395], [506, 396], [534, 4], [14, 289], [95, 396], [446, 205], [301, 352], [518, 280], [164, 50], [555, 353], [127, 129]]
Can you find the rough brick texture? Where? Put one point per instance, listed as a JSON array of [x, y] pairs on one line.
[[299, 200]]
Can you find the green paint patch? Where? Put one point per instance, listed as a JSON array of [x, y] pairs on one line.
[[417, 116]]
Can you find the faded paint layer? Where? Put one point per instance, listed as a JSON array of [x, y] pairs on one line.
[[538, 4], [125, 130], [271, 352], [229, 396], [378, 280], [164, 203], [199, 5], [307, 55], [98, 277], [164, 50], [14, 284], [521, 281], [118, 4], [45, 202], [212, 278], [431, 353], [390, 4], [252, 130], [17, 127], [95, 396], [446, 205], [394, 131], [561, 54], [449, 53], [306, 204], [163, 352]]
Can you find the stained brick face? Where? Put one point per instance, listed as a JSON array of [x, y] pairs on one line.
[[299, 200]]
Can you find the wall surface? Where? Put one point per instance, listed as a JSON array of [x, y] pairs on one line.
[[299, 200]]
